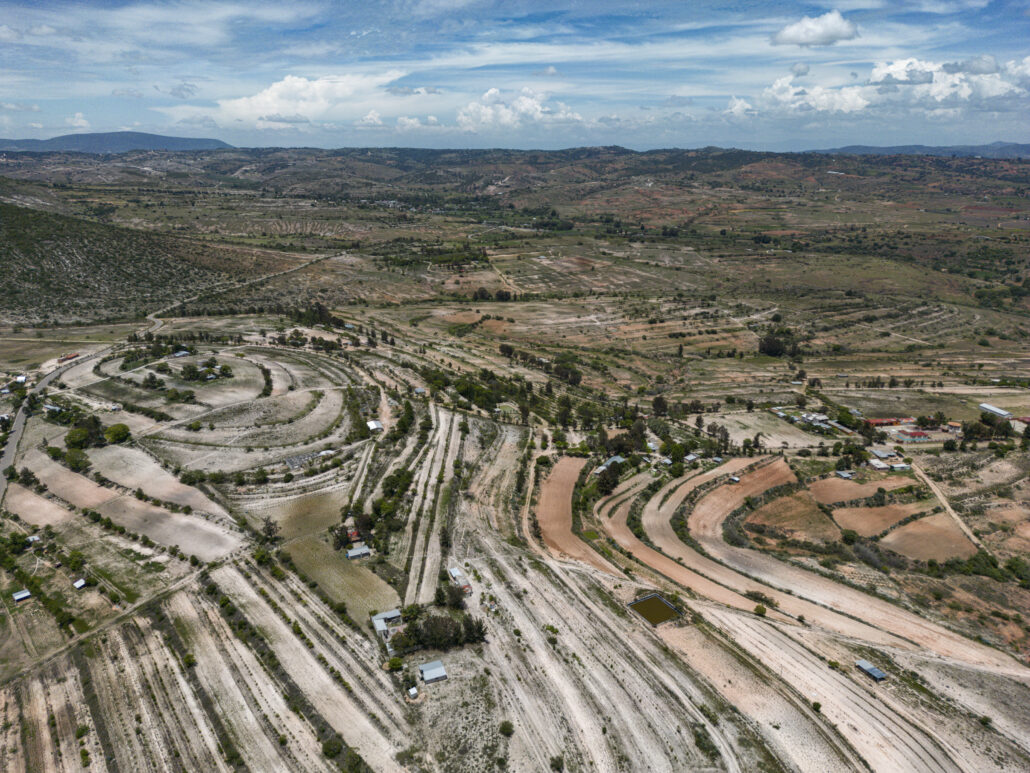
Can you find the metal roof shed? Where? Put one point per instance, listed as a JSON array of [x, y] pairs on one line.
[[432, 672], [870, 670], [21, 595]]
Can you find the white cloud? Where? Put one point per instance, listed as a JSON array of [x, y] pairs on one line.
[[819, 31], [799, 69], [19, 107], [785, 95], [332, 97], [9, 35], [739, 108], [42, 29], [77, 121], [35, 125], [494, 110], [371, 118], [130, 93], [404, 123]]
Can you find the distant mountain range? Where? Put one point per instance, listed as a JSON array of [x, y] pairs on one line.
[[994, 150], [111, 142]]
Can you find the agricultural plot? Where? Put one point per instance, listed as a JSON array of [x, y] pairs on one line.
[[798, 516], [870, 521], [936, 537]]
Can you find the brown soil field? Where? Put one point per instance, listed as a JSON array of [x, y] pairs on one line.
[[934, 537], [554, 514], [192, 534], [798, 515], [870, 521], [34, 509], [830, 490]]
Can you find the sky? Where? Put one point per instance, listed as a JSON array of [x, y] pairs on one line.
[[522, 73]]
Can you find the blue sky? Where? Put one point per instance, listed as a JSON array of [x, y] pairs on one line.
[[465, 73]]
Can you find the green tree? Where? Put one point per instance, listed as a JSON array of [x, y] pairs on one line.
[[117, 433]]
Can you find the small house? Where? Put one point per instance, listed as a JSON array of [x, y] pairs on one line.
[[876, 464], [79, 584], [34, 538], [900, 467], [20, 595], [845, 474], [420, 390], [413, 692], [374, 425], [432, 672]]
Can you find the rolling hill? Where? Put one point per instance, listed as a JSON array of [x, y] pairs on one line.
[[61, 269], [111, 142]]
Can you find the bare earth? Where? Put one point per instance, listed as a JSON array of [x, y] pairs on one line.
[[554, 513], [870, 521], [830, 490], [935, 536]]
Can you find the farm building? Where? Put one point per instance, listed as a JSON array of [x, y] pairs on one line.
[[420, 390], [876, 464], [381, 622], [988, 408], [882, 454], [870, 670], [953, 426], [458, 578], [845, 474], [182, 353], [900, 467], [432, 672], [374, 426], [359, 551], [20, 595], [79, 584]]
